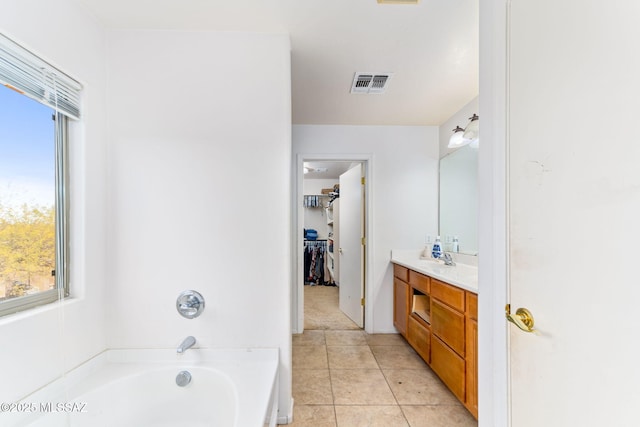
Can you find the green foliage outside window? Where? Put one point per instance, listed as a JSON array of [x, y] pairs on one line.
[[27, 250]]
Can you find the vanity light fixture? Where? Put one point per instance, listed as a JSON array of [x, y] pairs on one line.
[[471, 131], [468, 135], [457, 139]]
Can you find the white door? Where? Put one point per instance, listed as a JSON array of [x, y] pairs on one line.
[[574, 211], [351, 252]]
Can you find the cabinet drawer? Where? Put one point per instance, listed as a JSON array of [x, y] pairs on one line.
[[450, 295], [448, 324], [401, 272], [449, 366], [419, 337], [472, 306], [419, 281]]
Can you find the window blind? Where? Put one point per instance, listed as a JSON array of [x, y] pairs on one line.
[[26, 73]]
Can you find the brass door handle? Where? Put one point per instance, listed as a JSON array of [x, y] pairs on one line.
[[523, 318]]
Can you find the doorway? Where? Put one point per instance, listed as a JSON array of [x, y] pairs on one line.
[[323, 173]]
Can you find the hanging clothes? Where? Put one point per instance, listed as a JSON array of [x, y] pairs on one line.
[[314, 262]]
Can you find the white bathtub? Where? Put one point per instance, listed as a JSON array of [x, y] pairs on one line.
[[229, 388]]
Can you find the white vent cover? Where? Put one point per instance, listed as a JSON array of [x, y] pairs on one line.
[[370, 82]]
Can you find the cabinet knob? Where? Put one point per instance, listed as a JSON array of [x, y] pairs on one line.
[[340, 250], [523, 318]]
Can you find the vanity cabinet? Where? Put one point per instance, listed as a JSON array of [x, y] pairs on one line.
[[440, 321]]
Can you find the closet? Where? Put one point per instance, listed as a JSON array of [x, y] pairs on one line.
[[334, 243], [320, 237]]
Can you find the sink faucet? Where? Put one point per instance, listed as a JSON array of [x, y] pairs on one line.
[[447, 259], [186, 344]]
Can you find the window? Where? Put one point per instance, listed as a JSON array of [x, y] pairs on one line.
[[36, 104]]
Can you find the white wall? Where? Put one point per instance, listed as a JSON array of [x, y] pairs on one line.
[[316, 218], [461, 118], [192, 114], [39, 345], [404, 201]]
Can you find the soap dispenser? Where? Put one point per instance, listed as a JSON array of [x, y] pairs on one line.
[[426, 252], [456, 246], [436, 250]]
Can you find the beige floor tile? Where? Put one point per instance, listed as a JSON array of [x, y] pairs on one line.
[[418, 387], [364, 394], [397, 357], [310, 357], [385, 339], [439, 416], [309, 337], [360, 387], [321, 309], [312, 387], [345, 338], [317, 319], [351, 357], [370, 416], [313, 416]]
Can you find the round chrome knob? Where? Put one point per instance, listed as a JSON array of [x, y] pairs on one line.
[[190, 304]]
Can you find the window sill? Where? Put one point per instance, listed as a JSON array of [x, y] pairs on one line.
[[40, 310]]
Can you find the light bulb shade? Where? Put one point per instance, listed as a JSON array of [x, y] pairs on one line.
[[457, 139], [472, 129]]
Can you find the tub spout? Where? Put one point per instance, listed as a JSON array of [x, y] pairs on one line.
[[186, 344]]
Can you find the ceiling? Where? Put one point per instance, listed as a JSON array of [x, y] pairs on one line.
[[316, 169], [431, 48]]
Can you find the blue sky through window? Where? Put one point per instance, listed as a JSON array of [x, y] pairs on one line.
[[27, 151]]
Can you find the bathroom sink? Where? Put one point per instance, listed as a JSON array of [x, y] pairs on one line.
[[462, 275], [454, 274], [433, 262]]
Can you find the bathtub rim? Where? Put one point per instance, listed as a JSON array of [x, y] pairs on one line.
[[254, 373]]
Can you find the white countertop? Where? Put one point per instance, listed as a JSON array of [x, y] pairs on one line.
[[464, 276]]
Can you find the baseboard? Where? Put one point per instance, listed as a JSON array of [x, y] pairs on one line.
[[287, 419]]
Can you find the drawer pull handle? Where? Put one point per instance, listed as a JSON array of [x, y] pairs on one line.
[[523, 318]]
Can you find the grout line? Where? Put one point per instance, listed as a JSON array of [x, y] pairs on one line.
[[333, 396]]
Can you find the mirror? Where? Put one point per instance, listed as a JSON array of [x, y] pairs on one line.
[[459, 200]]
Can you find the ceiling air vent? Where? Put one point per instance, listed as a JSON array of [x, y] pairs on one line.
[[370, 82]]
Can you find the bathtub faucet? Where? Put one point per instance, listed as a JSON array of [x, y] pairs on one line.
[[186, 344]]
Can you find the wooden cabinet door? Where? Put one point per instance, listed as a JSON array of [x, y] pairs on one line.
[[472, 367], [400, 305]]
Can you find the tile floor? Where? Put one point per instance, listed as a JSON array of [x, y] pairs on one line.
[[344, 377]]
